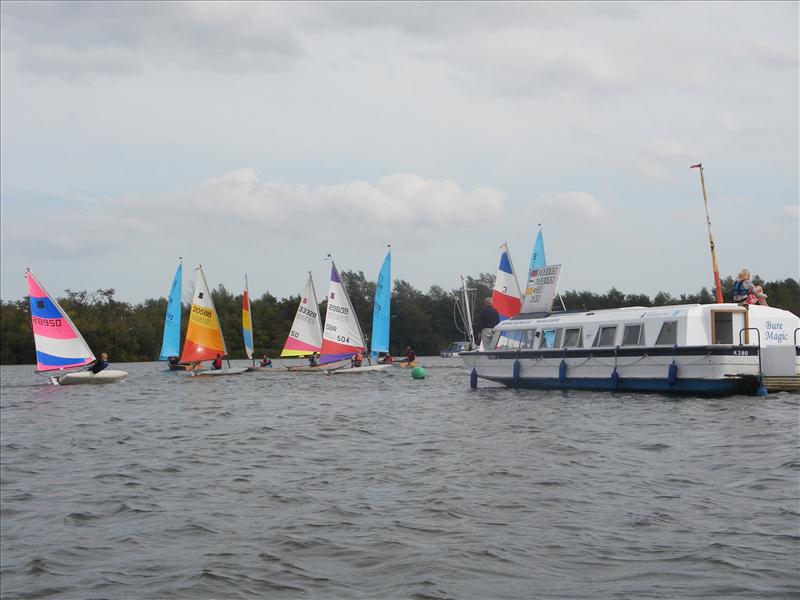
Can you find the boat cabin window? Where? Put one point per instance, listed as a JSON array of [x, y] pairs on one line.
[[605, 336], [508, 340], [550, 338], [572, 338], [723, 327], [632, 335], [668, 334], [528, 338]]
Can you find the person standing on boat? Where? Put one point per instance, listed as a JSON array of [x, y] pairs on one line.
[[487, 320], [744, 292], [217, 364], [100, 364]]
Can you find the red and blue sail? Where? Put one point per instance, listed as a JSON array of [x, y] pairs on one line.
[[506, 297]]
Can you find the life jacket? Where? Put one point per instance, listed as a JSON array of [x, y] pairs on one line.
[[739, 291]]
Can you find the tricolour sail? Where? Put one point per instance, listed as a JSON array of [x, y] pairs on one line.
[[342, 337], [204, 339], [381, 313], [247, 323], [171, 344], [59, 344], [305, 336], [506, 297]]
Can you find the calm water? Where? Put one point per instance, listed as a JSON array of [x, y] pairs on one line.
[[380, 486]]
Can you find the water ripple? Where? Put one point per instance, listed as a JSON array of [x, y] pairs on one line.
[[294, 486]]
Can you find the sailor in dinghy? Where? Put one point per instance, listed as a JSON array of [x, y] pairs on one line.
[[61, 352]]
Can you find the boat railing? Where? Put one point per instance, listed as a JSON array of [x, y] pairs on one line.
[[758, 336], [795, 335]]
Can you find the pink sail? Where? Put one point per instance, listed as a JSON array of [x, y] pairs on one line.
[[59, 344]]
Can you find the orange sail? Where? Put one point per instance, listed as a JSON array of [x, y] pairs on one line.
[[204, 339]]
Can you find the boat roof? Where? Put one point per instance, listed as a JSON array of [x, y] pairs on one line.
[[630, 313]]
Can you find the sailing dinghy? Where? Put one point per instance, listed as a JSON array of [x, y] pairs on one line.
[[61, 352], [305, 336], [204, 339], [380, 319], [171, 344]]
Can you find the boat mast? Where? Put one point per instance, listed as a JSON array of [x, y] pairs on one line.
[[717, 283], [468, 314]]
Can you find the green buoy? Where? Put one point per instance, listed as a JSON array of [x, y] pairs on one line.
[[418, 373]]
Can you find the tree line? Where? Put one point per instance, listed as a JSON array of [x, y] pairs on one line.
[[427, 322]]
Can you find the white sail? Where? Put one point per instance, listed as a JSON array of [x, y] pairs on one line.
[[305, 336], [342, 336]]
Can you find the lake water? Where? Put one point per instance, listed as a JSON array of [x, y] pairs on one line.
[[377, 485]]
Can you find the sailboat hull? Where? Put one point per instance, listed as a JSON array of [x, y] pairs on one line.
[[218, 372], [326, 368], [365, 369], [81, 377]]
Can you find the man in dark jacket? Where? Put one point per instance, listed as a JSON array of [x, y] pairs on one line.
[[487, 319]]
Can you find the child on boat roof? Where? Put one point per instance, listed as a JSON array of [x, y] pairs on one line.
[[744, 292]]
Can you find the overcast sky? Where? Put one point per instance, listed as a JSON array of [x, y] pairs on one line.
[[257, 138]]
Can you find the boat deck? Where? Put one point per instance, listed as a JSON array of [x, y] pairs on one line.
[[785, 383]]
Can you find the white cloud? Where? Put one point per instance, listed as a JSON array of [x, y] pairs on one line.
[[790, 211], [227, 207], [575, 208]]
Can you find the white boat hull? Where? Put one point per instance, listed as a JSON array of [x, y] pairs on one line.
[[82, 377], [364, 369], [704, 369], [218, 372], [326, 368]]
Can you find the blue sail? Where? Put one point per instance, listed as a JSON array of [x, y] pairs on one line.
[[381, 313], [171, 346], [537, 256]]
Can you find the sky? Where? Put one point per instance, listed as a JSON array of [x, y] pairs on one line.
[[259, 137]]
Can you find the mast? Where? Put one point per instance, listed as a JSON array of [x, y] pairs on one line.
[[468, 314], [717, 283]]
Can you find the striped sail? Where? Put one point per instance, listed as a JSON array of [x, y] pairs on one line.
[[342, 337], [171, 344], [247, 324], [305, 336], [506, 297], [381, 313], [203, 335], [59, 344]]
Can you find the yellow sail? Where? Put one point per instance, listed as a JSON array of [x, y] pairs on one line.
[[204, 339]]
